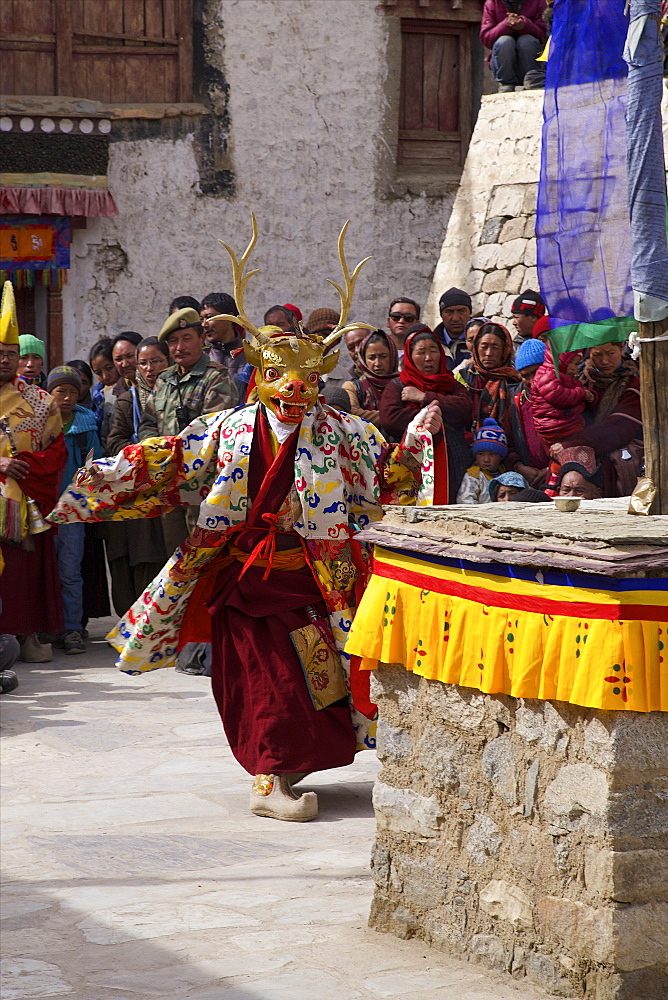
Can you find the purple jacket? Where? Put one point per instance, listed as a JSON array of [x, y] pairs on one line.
[[494, 25]]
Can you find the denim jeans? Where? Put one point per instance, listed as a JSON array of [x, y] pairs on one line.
[[512, 58], [70, 549]]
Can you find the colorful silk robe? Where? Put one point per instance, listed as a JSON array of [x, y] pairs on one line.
[[343, 471]]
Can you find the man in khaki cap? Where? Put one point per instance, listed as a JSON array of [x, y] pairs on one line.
[[192, 386]]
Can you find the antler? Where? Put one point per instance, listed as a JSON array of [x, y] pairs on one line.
[[240, 282], [347, 296]]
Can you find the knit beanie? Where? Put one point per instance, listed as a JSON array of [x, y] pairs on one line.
[[29, 344], [321, 319], [454, 297], [530, 352], [63, 375], [530, 303], [490, 437], [541, 326]]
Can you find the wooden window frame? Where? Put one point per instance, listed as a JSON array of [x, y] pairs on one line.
[[408, 161]]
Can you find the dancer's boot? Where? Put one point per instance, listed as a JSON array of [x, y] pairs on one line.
[[271, 795]]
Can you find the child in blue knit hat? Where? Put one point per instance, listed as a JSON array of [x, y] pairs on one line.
[[490, 447]]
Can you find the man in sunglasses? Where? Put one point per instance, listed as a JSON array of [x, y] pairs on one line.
[[402, 314], [455, 307]]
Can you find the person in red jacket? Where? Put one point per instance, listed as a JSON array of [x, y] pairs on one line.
[[515, 32], [558, 402]]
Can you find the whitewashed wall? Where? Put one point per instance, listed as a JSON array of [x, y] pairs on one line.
[[313, 89]]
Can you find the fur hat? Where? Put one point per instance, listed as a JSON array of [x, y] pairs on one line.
[[490, 437]]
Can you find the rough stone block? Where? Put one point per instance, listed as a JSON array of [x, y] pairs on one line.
[[530, 228], [642, 984], [530, 198], [507, 902], [639, 876], [641, 740], [531, 279], [492, 229], [424, 885], [512, 229], [394, 680], [490, 948], [507, 199], [542, 970], [511, 253], [583, 930], [515, 280], [495, 281], [498, 766], [437, 757], [530, 787], [474, 282], [641, 935], [393, 744], [404, 811], [483, 839], [529, 258], [484, 258], [478, 302], [461, 706], [577, 798], [494, 304], [637, 813]]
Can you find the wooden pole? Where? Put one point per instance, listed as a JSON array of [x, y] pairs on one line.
[[654, 402]]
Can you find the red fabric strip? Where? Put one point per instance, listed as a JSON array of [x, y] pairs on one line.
[[516, 602], [95, 204]]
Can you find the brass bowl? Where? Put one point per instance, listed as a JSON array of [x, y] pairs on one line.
[[567, 504]]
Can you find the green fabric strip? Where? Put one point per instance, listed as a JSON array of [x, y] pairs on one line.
[[580, 336]]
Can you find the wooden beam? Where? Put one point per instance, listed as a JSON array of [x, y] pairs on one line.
[[64, 48], [185, 30], [55, 327], [654, 402]]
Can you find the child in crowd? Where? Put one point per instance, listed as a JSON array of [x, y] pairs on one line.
[[533, 457], [558, 403], [32, 356], [490, 447], [80, 428]]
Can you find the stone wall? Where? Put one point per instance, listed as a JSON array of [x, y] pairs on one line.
[[529, 836], [310, 106]]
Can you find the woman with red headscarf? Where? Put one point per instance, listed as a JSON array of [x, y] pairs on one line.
[[425, 379], [492, 376]]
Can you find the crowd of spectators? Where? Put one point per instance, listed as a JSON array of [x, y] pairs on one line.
[[515, 426]]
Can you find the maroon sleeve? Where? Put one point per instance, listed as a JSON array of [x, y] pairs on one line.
[[395, 414], [533, 20], [493, 23], [456, 406]]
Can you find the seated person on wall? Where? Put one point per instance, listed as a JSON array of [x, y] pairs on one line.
[[492, 377], [530, 457], [455, 307], [515, 32]]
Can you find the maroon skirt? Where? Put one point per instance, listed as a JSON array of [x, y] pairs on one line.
[[30, 588], [258, 681]]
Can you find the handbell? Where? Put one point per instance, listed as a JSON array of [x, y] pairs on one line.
[[36, 523]]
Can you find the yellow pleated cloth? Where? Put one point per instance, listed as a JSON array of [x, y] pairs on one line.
[[587, 640]]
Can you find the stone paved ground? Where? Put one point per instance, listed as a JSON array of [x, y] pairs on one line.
[[134, 870]]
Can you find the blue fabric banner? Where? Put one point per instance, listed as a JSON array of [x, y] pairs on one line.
[[582, 225]]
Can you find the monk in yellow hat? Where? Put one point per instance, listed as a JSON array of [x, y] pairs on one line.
[[32, 459]]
